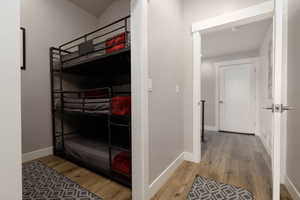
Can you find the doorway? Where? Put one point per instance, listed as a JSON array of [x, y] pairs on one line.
[[241, 17], [233, 84]]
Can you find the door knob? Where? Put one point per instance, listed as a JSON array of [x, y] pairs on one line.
[[287, 108], [268, 108], [221, 101], [278, 108]]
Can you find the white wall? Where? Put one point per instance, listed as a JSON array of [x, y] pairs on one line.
[[265, 116], [165, 69], [208, 83], [48, 23], [195, 10], [10, 126], [117, 10], [293, 125]]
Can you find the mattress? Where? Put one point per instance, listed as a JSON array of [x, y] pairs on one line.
[[88, 151], [93, 106], [74, 58]]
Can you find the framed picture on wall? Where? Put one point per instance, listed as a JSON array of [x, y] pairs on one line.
[[23, 48]]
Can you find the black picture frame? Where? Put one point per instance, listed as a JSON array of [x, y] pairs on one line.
[[23, 48]]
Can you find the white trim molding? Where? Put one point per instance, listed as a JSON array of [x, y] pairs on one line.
[[243, 16], [292, 189], [284, 90], [164, 176], [211, 128], [196, 96], [188, 156], [139, 80], [37, 154]]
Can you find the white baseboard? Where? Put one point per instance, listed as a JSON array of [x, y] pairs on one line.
[[37, 154], [164, 176], [211, 128], [189, 157], [292, 189]]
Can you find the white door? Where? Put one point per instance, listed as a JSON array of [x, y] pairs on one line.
[[237, 98], [279, 80]]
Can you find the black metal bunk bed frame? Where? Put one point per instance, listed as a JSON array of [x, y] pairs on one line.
[[85, 47]]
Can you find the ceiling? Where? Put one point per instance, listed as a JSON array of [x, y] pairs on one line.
[[228, 41], [94, 7]]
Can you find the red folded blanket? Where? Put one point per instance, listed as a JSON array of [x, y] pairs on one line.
[[121, 105], [122, 163], [116, 43]]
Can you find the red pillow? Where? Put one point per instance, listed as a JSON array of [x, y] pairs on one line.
[[121, 163], [116, 43], [121, 105]]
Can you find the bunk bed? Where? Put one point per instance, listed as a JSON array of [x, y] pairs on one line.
[[95, 48], [91, 119]]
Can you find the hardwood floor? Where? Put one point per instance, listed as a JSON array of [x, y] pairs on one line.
[[285, 195], [104, 188], [234, 159]]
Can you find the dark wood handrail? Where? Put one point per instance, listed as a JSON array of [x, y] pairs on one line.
[[203, 121]]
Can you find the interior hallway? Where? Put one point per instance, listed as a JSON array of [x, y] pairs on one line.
[[239, 160]]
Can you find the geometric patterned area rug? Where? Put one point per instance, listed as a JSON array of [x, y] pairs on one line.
[[205, 189], [43, 183]]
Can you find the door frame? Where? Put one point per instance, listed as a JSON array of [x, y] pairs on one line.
[[236, 18], [218, 66], [139, 87], [270, 9]]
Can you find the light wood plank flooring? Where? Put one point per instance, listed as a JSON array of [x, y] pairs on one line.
[[239, 160], [234, 159], [103, 187]]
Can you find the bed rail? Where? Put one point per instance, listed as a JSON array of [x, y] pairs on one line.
[[95, 41], [91, 101]]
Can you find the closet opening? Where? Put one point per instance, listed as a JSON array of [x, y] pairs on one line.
[[91, 100]]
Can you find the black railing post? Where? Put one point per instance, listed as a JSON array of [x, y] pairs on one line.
[[203, 120]]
